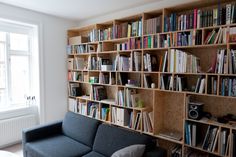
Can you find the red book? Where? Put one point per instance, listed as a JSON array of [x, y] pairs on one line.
[[195, 19]]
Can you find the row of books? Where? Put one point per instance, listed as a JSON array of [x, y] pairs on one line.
[[153, 25], [212, 85], [93, 110], [232, 62], [128, 97], [82, 108], [125, 29], [150, 41], [79, 49], [72, 105], [219, 62], [228, 87], [197, 18], [147, 121], [130, 63], [212, 137], [150, 62], [183, 62], [190, 38], [216, 36], [122, 117], [74, 89], [98, 93], [75, 76], [76, 63], [128, 29], [106, 78], [180, 83], [135, 43], [105, 113]]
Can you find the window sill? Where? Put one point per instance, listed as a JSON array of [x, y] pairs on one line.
[[18, 112]]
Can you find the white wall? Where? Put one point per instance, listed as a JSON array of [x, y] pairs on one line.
[[53, 57], [132, 11]]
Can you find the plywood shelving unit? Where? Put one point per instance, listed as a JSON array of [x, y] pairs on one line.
[[169, 106]]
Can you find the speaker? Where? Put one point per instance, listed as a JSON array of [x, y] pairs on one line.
[[195, 110]]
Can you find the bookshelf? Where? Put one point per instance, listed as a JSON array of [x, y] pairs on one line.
[[141, 72]]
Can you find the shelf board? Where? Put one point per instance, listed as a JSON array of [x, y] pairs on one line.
[[200, 149], [168, 139], [211, 122]]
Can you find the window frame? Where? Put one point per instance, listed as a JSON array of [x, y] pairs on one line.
[[19, 29]]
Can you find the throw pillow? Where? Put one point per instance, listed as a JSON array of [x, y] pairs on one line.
[[130, 151]]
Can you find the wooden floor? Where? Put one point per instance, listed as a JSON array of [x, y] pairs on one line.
[[16, 149]]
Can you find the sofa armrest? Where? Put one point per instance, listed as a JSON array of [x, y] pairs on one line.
[[156, 152], [42, 131]]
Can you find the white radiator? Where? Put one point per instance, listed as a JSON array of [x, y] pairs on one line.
[[11, 129]]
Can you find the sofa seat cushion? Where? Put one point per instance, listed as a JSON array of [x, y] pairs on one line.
[[80, 128], [93, 154], [109, 139], [57, 146]]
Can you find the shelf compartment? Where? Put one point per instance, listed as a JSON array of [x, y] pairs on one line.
[[215, 110], [168, 116]]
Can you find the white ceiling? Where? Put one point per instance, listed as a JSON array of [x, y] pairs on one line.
[[77, 9]]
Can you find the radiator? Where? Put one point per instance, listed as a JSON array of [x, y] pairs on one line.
[[11, 129]]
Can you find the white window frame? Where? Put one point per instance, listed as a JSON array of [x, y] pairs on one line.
[[32, 32]]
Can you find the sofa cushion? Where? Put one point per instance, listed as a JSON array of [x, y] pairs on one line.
[[93, 154], [80, 128], [109, 139], [56, 146], [136, 150]]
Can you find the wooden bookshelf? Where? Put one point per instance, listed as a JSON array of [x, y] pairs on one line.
[[156, 101]]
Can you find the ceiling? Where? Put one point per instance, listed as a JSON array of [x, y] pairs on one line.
[[77, 9]]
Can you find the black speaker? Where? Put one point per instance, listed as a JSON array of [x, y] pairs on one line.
[[195, 110]]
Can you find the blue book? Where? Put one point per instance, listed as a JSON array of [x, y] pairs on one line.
[[230, 87], [223, 87]]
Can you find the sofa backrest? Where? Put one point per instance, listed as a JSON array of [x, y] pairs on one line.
[[109, 139], [80, 128]]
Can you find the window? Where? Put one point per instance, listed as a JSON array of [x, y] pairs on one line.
[[16, 62]]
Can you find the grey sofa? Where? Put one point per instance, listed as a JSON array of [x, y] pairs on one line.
[[80, 136]]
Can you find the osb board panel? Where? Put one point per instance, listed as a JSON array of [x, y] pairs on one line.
[[111, 92], [86, 88], [108, 46], [217, 106], [147, 97], [169, 111]]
